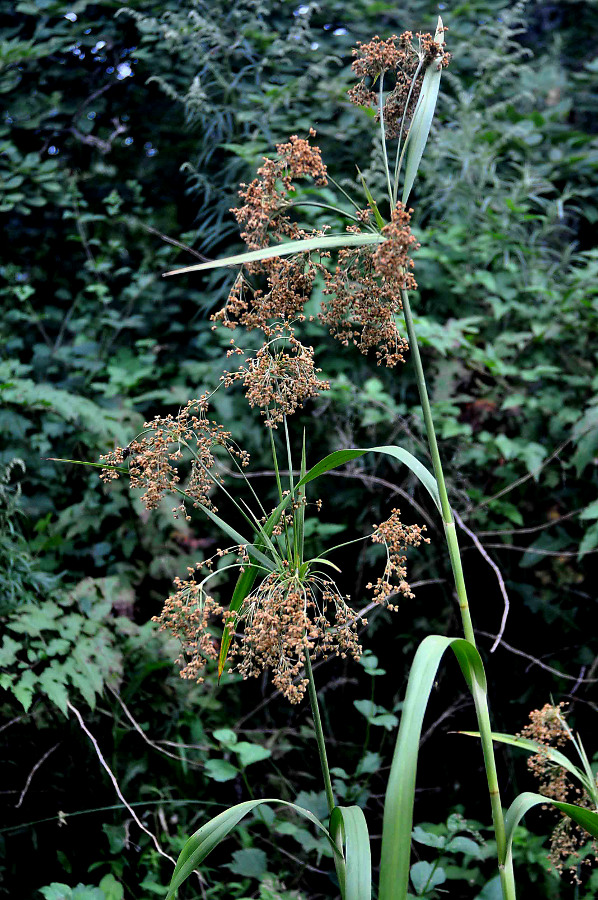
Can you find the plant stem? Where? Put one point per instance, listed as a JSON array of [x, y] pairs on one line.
[[315, 711], [447, 514], [339, 864], [479, 694]]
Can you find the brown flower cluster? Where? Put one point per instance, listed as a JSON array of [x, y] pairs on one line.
[[281, 620], [287, 617], [263, 216], [278, 381], [398, 58], [155, 454], [187, 614], [548, 727], [396, 537], [365, 291]]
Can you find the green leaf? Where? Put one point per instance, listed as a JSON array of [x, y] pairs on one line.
[[327, 242], [238, 538], [425, 877], [428, 838], [526, 801], [550, 753], [251, 753], [340, 457], [209, 836], [225, 736], [220, 770], [23, 689], [350, 822], [250, 863], [112, 889], [422, 118], [400, 793]]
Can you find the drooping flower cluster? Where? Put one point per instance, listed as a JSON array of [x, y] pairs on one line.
[[278, 381], [154, 454], [396, 537], [365, 292], [548, 727], [287, 617], [400, 60], [291, 612]]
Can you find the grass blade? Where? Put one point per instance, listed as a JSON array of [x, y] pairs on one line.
[[524, 802], [209, 835], [340, 457], [252, 550], [422, 118], [326, 242], [400, 793], [535, 747], [358, 862]]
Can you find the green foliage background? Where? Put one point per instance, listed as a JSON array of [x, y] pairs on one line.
[[125, 124]]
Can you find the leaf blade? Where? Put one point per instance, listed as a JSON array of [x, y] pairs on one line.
[[325, 242]]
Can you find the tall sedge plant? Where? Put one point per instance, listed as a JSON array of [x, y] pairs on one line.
[[278, 587]]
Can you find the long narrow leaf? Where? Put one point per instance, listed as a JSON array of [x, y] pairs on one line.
[[535, 747], [209, 835], [340, 457], [422, 117], [587, 818], [400, 793], [358, 861], [326, 242]]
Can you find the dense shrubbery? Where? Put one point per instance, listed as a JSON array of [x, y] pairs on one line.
[[123, 128]]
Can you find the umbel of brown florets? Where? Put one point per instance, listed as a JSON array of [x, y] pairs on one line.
[[287, 617], [396, 537], [548, 728], [155, 456], [263, 215], [365, 291], [279, 378], [396, 59]]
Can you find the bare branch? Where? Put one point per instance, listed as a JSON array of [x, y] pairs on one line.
[[116, 786], [538, 662], [501, 581], [33, 771]]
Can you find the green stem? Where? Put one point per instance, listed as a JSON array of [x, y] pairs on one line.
[[315, 711], [331, 802], [447, 514], [480, 698]]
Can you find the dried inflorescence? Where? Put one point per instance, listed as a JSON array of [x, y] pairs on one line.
[[153, 456], [365, 291], [290, 612], [400, 60], [287, 617], [396, 537], [548, 727], [279, 380], [267, 198]]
